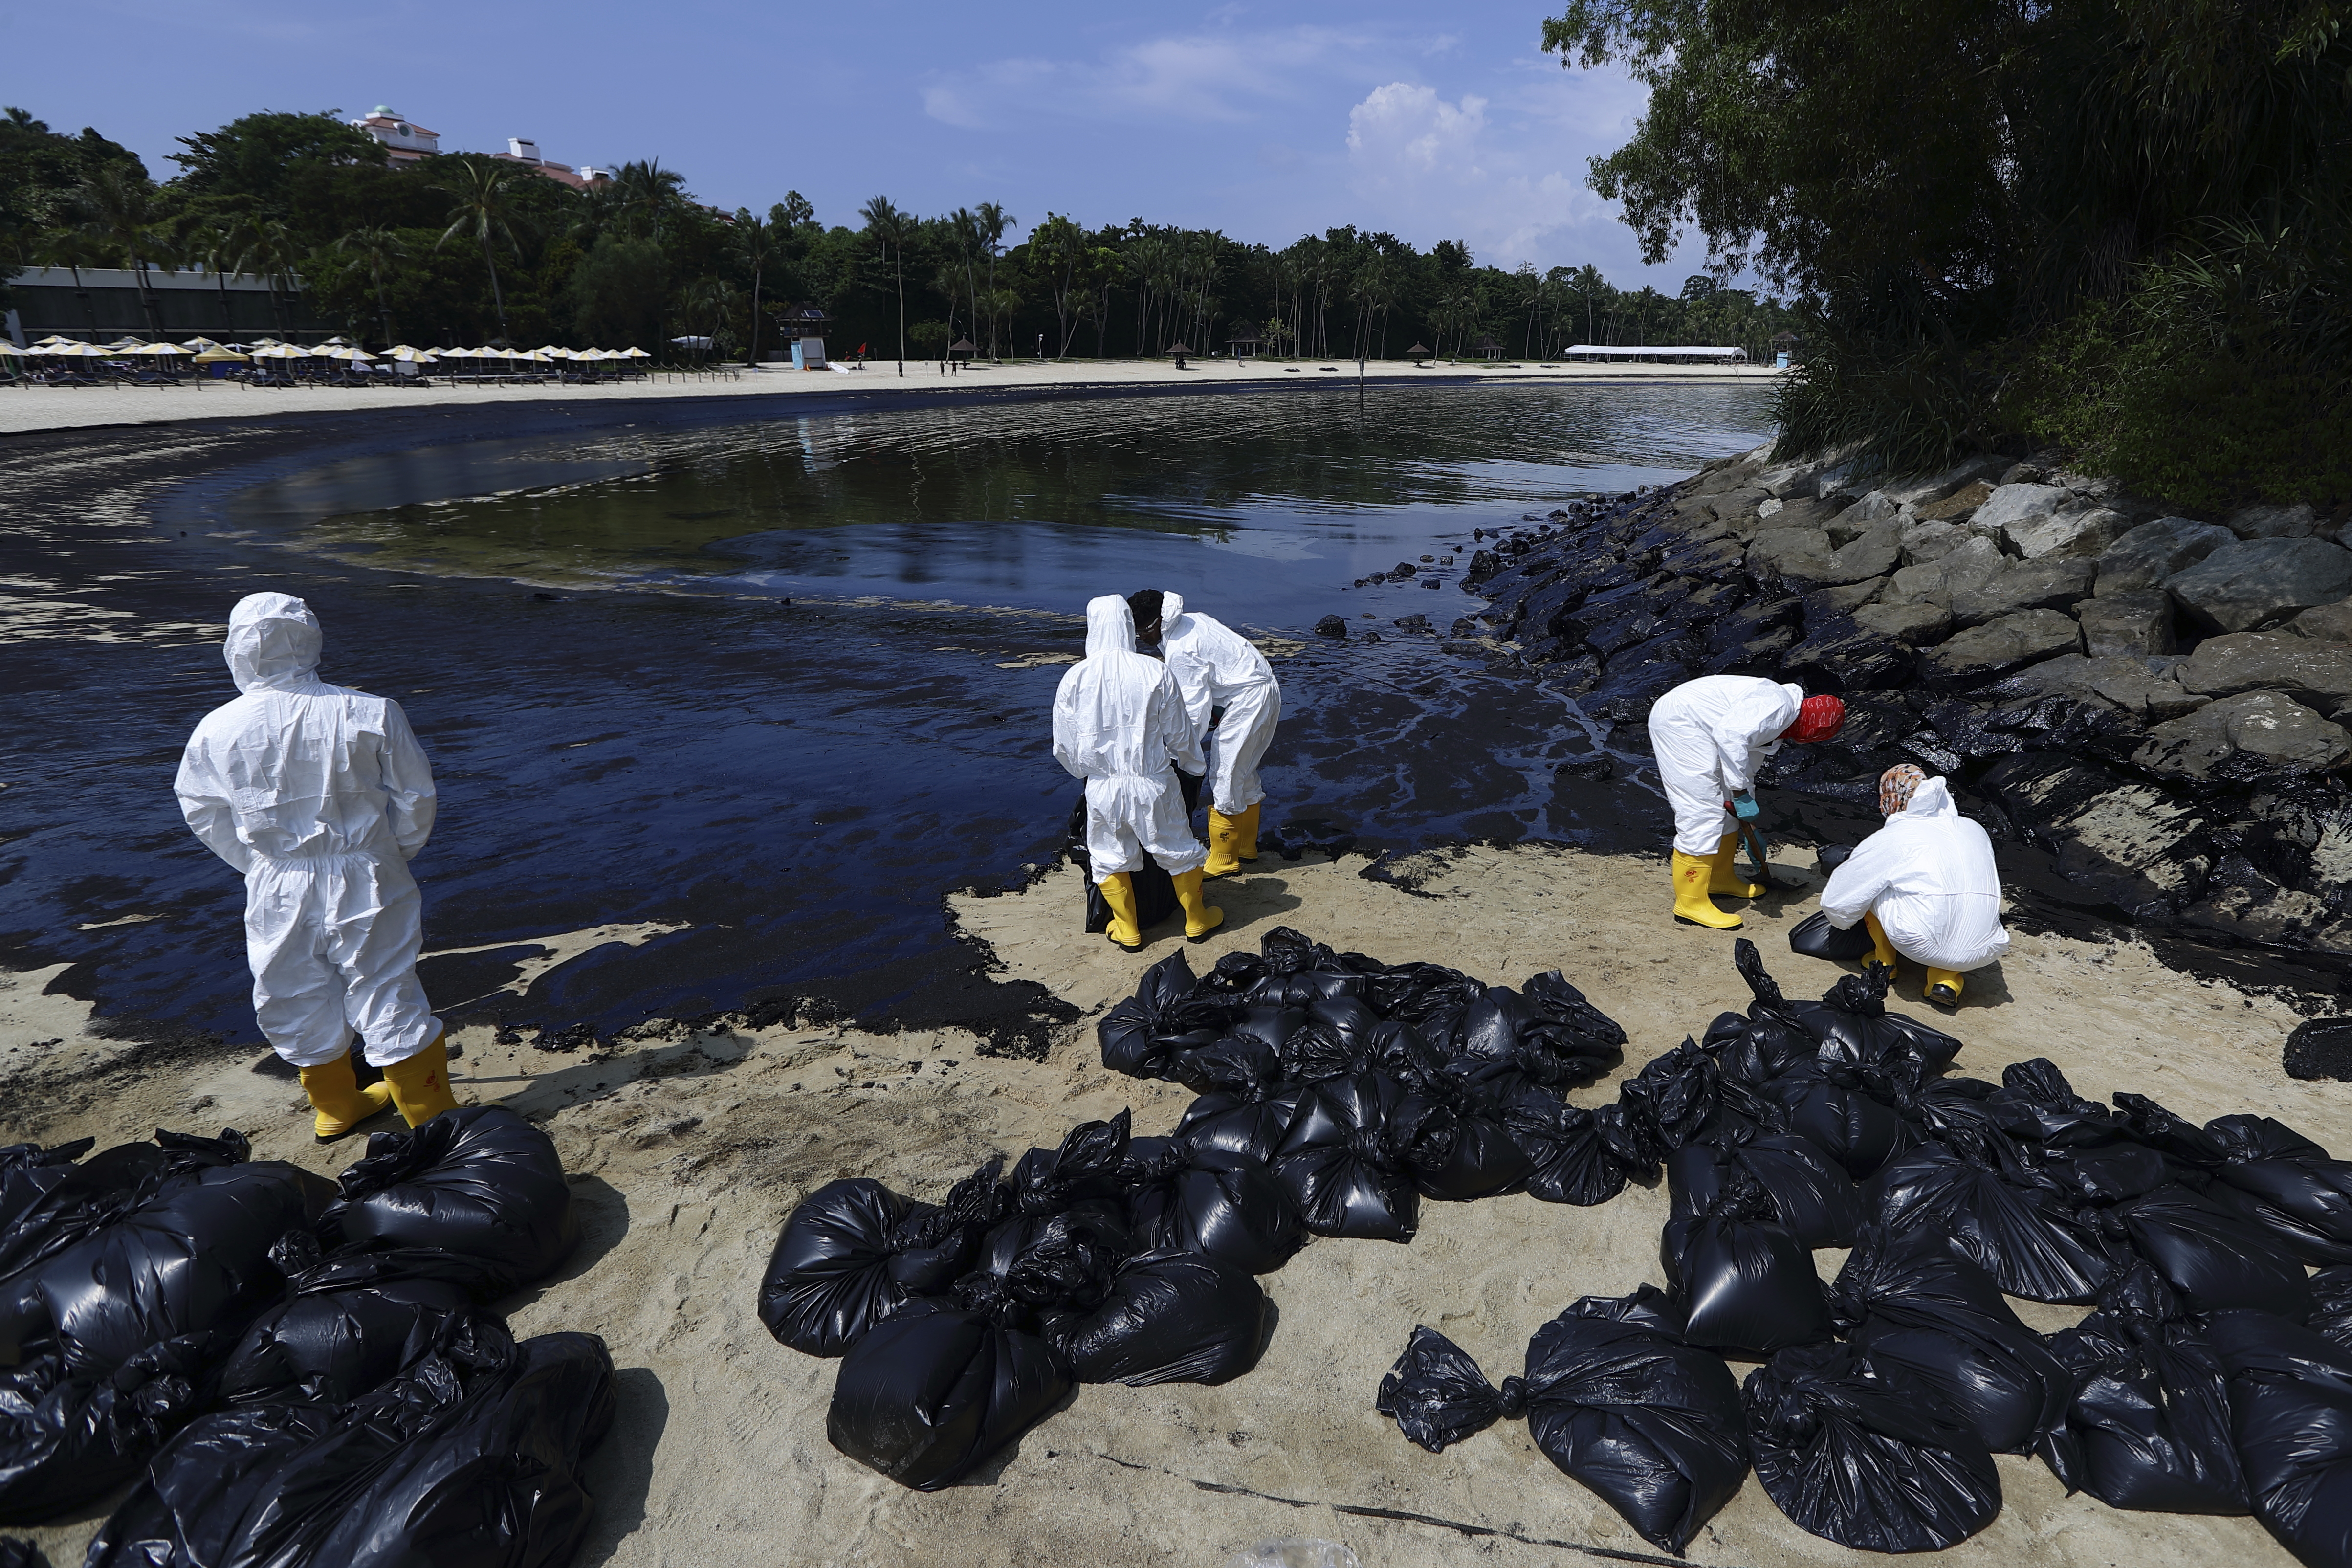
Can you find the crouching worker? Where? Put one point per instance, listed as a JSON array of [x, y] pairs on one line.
[[1234, 703], [1119, 724], [1711, 735], [1925, 886], [320, 796]]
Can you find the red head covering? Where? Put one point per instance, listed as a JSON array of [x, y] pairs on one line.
[[1819, 719]]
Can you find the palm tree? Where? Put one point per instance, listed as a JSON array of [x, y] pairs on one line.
[[968, 233], [71, 249], [890, 228], [380, 251], [219, 247], [761, 246], [273, 253], [484, 208], [647, 194], [994, 222], [125, 222], [1530, 286]]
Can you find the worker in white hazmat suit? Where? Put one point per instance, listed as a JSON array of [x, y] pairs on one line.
[[320, 796], [1711, 735], [1119, 724], [1235, 704], [1925, 886]]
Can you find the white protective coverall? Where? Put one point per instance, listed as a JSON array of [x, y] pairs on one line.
[[1119, 724], [320, 796], [1929, 875], [1216, 666], [1710, 736]]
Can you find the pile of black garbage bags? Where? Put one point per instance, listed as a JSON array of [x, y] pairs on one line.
[[2213, 1376], [293, 1369]]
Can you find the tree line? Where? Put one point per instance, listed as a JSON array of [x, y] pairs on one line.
[[463, 249]]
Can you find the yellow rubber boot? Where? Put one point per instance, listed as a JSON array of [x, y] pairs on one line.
[[1722, 878], [1692, 873], [1881, 950], [1943, 988], [1119, 892], [342, 1104], [1200, 917], [420, 1086], [1224, 844], [1248, 820]]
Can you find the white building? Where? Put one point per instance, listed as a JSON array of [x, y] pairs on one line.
[[524, 150], [405, 143]]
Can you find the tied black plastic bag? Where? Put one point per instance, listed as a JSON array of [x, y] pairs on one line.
[[1549, 1032], [2015, 1227], [1740, 1278], [2035, 1105], [1288, 953], [1568, 1161], [1032, 1266], [932, 1391], [2289, 1185], [477, 1182], [2290, 1410], [1167, 1317], [1852, 1024], [1848, 1113], [2331, 1313], [1213, 1201], [1461, 1147], [1141, 1035], [1908, 1300], [1242, 1122], [854, 1251], [1342, 1161], [2148, 1428], [1670, 1101], [2209, 1254], [468, 1459], [1814, 937], [1865, 1456], [1091, 1162], [1336, 1040], [1437, 1396], [336, 1344], [51, 1198], [1430, 996], [1815, 1199], [1768, 1040]]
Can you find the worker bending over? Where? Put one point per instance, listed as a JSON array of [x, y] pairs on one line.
[[320, 795], [1711, 735], [1119, 724], [1234, 703], [1924, 885]]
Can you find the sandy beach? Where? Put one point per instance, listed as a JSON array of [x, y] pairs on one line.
[[27, 408], [687, 1149]]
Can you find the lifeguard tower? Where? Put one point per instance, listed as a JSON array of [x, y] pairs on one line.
[[805, 325]]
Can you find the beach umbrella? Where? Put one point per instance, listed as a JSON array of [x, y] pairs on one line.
[[52, 340], [338, 342], [69, 349], [197, 345], [221, 356], [407, 355], [156, 351], [11, 348], [124, 345], [631, 352], [552, 350], [357, 355]]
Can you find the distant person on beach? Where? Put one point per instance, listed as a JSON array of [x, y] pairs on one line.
[[320, 796], [1119, 724], [1925, 886], [1235, 704], [1711, 735]]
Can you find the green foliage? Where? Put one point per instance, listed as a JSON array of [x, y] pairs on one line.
[[929, 340], [617, 291]]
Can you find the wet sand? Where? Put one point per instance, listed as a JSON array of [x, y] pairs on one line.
[[688, 1147]]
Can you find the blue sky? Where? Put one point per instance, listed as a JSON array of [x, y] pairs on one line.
[[1264, 120]]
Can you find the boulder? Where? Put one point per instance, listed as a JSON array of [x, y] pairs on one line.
[[2245, 737], [1926, 541], [1820, 604], [1998, 646], [2067, 534], [2014, 587], [2148, 695], [1805, 558], [2250, 584], [2127, 625], [2121, 841], [1961, 506], [2315, 673], [2139, 561], [1841, 655], [2297, 522], [1331, 626], [1918, 624], [1970, 566], [1875, 507], [2329, 623], [2012, 504]]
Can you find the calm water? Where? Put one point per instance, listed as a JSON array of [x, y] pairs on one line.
[[588, 625]]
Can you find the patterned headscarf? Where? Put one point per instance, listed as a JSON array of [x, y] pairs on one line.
[[1896, 787]]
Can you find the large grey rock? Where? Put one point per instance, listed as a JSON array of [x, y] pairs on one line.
[[1844, 599], [1961, 506], [2327, 622], [1928, 539], [2317, 673], [1971, 564], [2250, 584], [2140, 560], [2129, 684], [1914, 624], [1998, 647], [2245, 737], [2013, 504], [2067, 534], [2127, 624], [2023, 585], [1805, 558], [2297, 522]]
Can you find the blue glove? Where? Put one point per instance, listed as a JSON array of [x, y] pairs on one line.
[[1744, 808]]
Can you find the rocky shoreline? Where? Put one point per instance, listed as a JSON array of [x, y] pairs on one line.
[[2158, 703]]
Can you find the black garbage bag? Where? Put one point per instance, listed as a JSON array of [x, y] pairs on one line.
[[1766, 1041], [1461, 1147], [1852, 1024], [1834, 1107], [1286, 952], [1167, 1317], [1549, 1032], [340, 1342], [1742, 1281], [2331, 1313], [1430, 996], [1862, 1454], [932, 1391], [1810, 1193], [2149, 1427], [2299, 1194], [478, 1182], [2020, 1230], [1437, 1396], [1141, 1035], [1304, 988], [1089, 1162], [852, 1251], [1335, 1040], [1343, 1162], [1033, 1266], [68, 1437], [1908, 1300], [1213, 1201], [1671, 1099], [1568, 1161], [2291, 1411], [18, 1553], [2209, 1254], [1235, 1063], [2035, 1105], [1814, 937], [470, 1458], [1244, 1121], [51, 1198], [2175, 1137], [1155, 890], [1233, 976]]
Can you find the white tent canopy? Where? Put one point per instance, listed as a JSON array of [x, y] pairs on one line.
[[1657, 350]]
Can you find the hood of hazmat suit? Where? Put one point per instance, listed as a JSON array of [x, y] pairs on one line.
[[1930, 878], [273, 643]]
